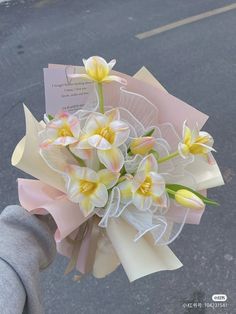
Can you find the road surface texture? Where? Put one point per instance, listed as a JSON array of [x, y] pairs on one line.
[[195, 62]]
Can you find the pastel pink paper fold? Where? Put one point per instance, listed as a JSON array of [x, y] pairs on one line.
[[65, 248], [164, 101], [38, 198]]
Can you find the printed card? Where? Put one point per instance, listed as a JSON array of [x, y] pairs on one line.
[[63, 93]]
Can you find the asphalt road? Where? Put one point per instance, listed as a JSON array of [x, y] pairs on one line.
[[195, 62]]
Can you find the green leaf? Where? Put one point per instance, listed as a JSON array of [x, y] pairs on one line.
[[50, 117], [149, 133], [155, 154], [176, 187]]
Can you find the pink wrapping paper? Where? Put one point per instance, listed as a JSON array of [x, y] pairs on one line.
[[38, 198]]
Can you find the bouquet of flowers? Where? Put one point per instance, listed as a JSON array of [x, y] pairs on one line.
[[121, 175]]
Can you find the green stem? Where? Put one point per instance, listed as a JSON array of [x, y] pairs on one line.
[[173, 155], [122, 172], [101, 98], [169, 191]]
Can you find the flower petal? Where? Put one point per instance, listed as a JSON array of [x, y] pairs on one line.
[[205, 138], [111, 64], [82, 76], [100, 196], [108, 178], [138, 180], [73, 192], [199, 148], [142, 145], [158, 184], [148, 164], [83, 143], [83, 154], [121, 130], [97, 68], [74, 125], [187, 134], [46, 144], [112, 159], [65, 140], [94, 122], [57, 158], [142, 202], [48, 133], [113, 114], [126, 193], [86, 206], [99, 142], [161, 201], [183, 150], [115, 78], [82, 173]]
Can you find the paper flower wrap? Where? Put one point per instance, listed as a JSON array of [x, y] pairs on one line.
[[121, 177]]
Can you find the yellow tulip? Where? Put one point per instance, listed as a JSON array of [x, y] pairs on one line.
[[104, 133], [89, 188], [188, 199], [146, 188], [195, 142], [97, 69], [142, 145]]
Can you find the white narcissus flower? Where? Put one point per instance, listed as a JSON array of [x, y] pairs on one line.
[[63, 130], [195, 142], [146, 188], [104, 133], [89, 188]]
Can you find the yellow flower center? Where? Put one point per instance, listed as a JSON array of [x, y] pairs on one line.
[[65, 131], [107, 133], [87, 187], [145, 187]]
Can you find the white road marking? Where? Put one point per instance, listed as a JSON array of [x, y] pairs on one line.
[[20, 89], [185, 21]]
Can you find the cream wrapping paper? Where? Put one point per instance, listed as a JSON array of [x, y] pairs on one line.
[[146, 76], [139, 258], [209, 176], [26, 155], [106, 259]]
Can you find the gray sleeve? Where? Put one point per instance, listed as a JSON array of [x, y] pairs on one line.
[[26, 247]]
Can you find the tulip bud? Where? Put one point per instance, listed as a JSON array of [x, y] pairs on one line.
[[188, 199], [142, 145], [97, 68]]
